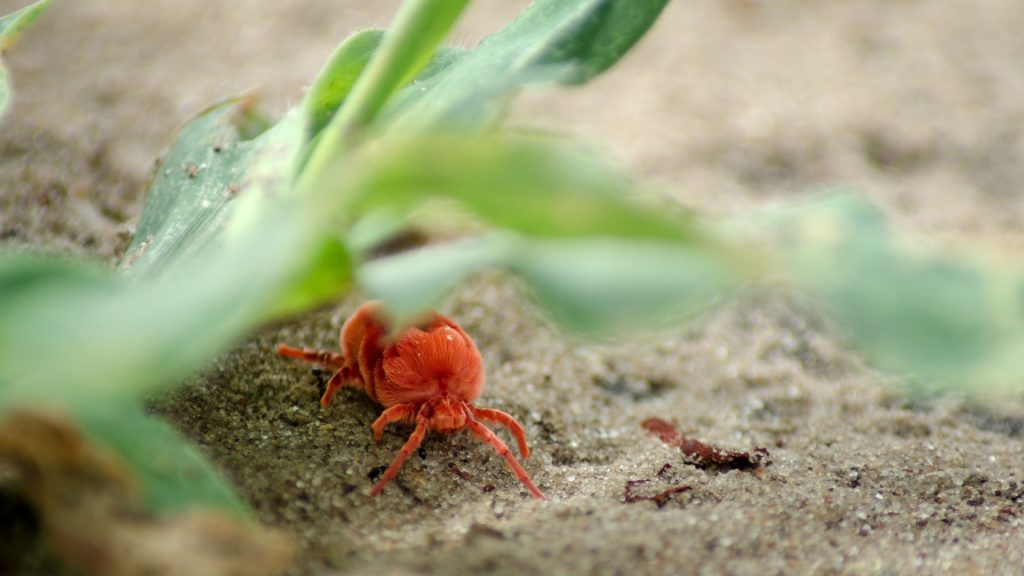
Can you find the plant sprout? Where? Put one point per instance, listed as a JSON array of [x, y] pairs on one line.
[[246, 221]]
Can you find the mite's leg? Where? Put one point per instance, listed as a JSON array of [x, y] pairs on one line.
[[408, 448], [333, 385], [322, 357], [506, 420], [396, 413], [485, 434]]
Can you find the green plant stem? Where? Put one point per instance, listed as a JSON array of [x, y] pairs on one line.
[[418, 28]]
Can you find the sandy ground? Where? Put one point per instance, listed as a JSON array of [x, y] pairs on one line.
[[726, 105]]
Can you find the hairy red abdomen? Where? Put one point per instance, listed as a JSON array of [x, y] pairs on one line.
[[433, 358]]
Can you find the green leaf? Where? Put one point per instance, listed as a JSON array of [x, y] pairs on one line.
[[191, 199], [61, 327], [31, 283], [410, 281], [78, 336], [418, 29], [207, 171], [944, 316], [11, 26], [532, 187], [336, 79], [26, 278], [339, 75], [172, 473], [607, 286], [200, 174], [137, 335], [598, 259], [602, 36], [328, 275], [596, 286], [566, 41]]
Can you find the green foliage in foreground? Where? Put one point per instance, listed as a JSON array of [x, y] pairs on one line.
[[11, 27], [246, 221]]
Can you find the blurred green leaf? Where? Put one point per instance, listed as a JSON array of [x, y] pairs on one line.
[[945, 316], [596, 286], [79, 336], [26, 279], [328, 274], [272, 165], [171, 472], [566, 41], [138, 335], [410, 281], [11, 26], [606, 286], [5, 90], [533, 187], [598, 259]]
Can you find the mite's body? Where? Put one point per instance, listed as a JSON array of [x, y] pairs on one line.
[[428, 374]]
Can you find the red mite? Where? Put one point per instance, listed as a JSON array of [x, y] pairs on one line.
[[428, 374]]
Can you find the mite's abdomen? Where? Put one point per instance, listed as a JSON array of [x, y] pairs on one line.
[[422, 365], [435, 357]]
